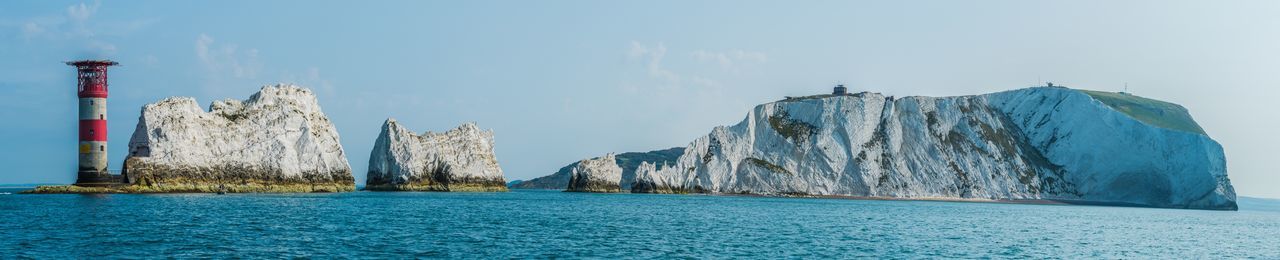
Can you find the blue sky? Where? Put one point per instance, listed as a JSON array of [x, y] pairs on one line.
[[563, 80]]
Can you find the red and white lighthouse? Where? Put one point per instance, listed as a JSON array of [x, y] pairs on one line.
[[91, 76]]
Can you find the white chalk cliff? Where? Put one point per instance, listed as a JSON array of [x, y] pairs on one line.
[[460, 159], [278, 140], [596, 175], [1043, 143]]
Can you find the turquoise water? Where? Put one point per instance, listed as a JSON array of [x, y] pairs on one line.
[[549, 224]]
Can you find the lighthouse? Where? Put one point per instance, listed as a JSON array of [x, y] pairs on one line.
[[91, 78]]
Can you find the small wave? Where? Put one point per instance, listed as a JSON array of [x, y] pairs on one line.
[[5, 193]]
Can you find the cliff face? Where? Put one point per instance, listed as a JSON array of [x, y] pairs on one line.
[[278, 140], [596, 175], [628, 162], [461, 159], [1028, 144]]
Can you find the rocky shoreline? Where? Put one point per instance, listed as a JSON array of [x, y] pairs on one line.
[[197, 188]]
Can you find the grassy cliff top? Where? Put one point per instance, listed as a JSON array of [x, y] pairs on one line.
[[1150, 111], [1153, 112]]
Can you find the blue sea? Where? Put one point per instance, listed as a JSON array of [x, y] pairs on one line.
[[551, 224]]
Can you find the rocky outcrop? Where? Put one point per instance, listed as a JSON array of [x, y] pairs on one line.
[[461, 159], [628, 162], [278, 140], [649, 180], [1044, 143], [596, 175]]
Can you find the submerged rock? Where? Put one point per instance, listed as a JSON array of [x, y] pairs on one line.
[[1031, 144], [596, 175], [628, 162], [461, 159], [278, 140]]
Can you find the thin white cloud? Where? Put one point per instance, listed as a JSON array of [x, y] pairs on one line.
[[82, 12], [730, 60], [101, 46], [31, 30], [652, 57], [250, 68], [202, 47], [151, 60], [666, 87], [706, 82], [220, 60], [77, 26], [312, 79], [79, 15], [665, 80]]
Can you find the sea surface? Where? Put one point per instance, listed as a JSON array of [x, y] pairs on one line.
[[551, 224]]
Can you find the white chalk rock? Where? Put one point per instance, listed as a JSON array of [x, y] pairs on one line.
[[649, 180], [461, 159], [596, 175], [278, 140], [1044, 143]]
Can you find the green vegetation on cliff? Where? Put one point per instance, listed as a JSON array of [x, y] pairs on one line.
[[1153, 112], [796, 130], [768, 165]]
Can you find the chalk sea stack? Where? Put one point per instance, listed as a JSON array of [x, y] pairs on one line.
[[600, 174], [628, 161], [460, 159], [1035, 144], [278, 140]]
